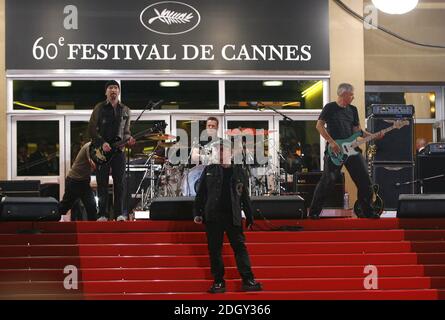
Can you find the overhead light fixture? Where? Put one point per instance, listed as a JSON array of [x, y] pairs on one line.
[[395, 6], [61, 84], [272, 83], [169, 84]]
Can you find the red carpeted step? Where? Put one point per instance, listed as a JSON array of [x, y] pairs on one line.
[[201, 249], [199, 237], [188, 286], [231, 273], [178, 226], [203, 261]]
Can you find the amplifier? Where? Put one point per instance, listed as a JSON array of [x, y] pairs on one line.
[[391, 110], [435, 148]]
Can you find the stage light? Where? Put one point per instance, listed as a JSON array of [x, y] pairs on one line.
[[395, 6]]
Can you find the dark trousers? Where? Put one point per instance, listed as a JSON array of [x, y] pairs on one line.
[[215, 237], [75, 190], [117, 166], [359, 174]]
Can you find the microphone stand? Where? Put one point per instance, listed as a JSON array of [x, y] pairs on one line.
[[127, 169], [420, 181]]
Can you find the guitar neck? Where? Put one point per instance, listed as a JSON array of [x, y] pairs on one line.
[[136, 136], [372, 136]]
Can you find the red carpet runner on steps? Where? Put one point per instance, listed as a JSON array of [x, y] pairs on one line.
[[168, 260]]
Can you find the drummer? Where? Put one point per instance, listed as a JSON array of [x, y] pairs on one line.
[[201, 153]]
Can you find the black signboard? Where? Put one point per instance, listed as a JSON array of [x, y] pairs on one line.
[[288, 35]]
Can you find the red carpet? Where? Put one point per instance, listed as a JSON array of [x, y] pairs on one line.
[[168, 260]]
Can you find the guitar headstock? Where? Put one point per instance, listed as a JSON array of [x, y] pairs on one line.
[[400, 123]]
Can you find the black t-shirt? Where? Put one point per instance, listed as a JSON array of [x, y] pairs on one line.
[[340, 121]]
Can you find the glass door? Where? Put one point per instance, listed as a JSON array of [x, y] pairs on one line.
[[38, 152]]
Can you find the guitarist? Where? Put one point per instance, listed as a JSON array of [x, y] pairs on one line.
[[109, 121], [342, 121]]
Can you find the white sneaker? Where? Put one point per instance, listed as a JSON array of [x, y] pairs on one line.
[[102, 218], [122, 218]]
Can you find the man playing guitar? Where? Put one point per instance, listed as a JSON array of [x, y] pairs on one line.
[[109, 121], [342, 121]]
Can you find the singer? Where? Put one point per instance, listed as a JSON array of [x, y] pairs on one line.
[[222, 193], [109, 122]]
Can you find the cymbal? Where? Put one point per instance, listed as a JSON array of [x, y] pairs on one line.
[[160, 137], [146, 155], [166, 144], [248, 132]]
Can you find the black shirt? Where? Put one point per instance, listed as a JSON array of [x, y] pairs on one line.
[[340, 121], [225, 203]]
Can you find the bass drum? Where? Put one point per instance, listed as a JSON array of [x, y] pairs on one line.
[[190, 181]]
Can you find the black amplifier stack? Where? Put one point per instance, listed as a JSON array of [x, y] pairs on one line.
[[393, 159]]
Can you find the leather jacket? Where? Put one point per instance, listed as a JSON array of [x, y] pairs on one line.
[[210, 191]]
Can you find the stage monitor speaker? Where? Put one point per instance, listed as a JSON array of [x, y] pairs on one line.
[[421, 206], [272, 207], [431, 169], [390, 178], [172, 208], [29, 209], [20, 188], [279, 207], [397, 145]]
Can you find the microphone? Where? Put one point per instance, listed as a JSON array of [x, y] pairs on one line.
[[253, 104]]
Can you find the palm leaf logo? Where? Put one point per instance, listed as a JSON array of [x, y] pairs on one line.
[[171, 17]]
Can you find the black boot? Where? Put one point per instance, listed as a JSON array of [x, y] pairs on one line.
[[218, 287], [251, 285]]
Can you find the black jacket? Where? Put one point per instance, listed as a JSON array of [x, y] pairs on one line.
[[210, 191]]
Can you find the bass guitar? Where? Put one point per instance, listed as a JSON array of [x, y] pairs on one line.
[[99, 156], [347, 146]]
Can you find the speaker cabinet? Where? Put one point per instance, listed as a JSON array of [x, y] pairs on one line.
[[279, 207], [20, 188], [397, 145], [273, 207], [421, 206], [390, 178], [430, 169], [29, 209], [172, 208], [305, 183]]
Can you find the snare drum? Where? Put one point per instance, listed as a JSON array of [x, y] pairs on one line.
[[190, 181]]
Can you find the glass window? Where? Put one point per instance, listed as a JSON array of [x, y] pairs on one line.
[[249, 129], [37, 149], [79, 136], [33, 95], [177, 95], [299, 146], [290, 95], [424, 102]]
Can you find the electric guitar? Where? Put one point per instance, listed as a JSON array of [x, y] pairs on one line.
[[99, 156], [347, 146]]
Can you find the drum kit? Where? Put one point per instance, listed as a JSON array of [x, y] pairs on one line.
[[162, 178]]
